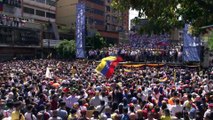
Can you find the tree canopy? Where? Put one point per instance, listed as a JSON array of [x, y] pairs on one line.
[[164, 15], [66, 48], [95, 42]]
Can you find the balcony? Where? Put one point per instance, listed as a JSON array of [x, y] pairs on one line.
[[14, 3], [32, 25], [35, 3], [36, 17]]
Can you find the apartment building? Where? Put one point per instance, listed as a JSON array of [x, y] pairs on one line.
[[22, 27], [100, 17], [39, 10]]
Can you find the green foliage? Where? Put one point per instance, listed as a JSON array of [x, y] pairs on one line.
[[95, 42], [64, 29], [164, 15], [210, 41], [66, 48]]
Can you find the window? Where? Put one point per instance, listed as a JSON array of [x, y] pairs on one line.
[[107, 8], [99, 2], [114, 19], [40, 13], [107, 18], [29, 10], [41, 1], [94, 11], [99, 22], [98, 12], [107, 27], [16, 3], [51, 2], [50, 15]]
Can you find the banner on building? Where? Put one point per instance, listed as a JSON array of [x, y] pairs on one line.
[[191, 45], [80, 30]]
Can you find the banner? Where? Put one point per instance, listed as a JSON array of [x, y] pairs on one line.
[[80, 30], [191, 51]]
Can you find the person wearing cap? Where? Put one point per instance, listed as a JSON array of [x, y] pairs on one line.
[[209, 110]]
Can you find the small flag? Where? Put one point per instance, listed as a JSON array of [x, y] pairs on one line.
[[107, 65], [164, 78], [175, 75], [48, 73]]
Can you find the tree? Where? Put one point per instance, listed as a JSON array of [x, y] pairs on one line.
[[66, 48], [210, 41], [95, 42], [164, 15]]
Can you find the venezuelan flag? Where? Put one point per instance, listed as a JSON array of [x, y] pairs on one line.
[[107, 65]]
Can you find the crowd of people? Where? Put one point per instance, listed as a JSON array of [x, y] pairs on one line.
[[147, 41], [142, 48], [138, 54], [7, 20], [73, 90]]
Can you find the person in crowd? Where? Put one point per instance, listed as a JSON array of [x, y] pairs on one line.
[[16, 114], [138, 94], [62, 111], [29, 115]]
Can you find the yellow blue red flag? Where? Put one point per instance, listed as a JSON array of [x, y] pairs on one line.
[[107, 65]]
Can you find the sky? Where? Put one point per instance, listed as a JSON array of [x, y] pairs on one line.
[[132, 14]]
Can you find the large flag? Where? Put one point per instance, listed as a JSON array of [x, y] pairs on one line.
[[107, 65], [190, 47]]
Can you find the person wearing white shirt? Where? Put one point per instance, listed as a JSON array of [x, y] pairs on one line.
[[177, 108], [71, 100], [100, 108], [208, 111], [95, 101], [28, 115]]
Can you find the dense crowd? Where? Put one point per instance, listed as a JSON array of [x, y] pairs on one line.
[[148, 41], [139, 54], [142, 48], [62, 90]]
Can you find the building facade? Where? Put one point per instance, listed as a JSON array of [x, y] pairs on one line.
[[27, 27], [39, 10], [100, 17], [16, 39]]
